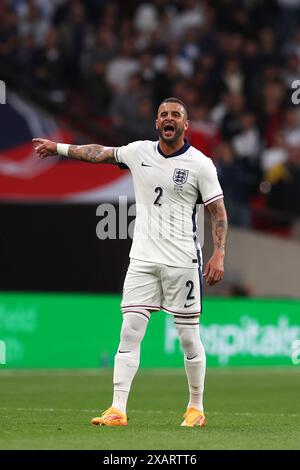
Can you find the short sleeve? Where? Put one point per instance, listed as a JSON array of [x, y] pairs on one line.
[[208, 183], [127, 154]]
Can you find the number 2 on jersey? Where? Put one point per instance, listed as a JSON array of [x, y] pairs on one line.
[[190, 284], [158, 190]]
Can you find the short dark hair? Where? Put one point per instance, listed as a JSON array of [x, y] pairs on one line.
[[172, 99]]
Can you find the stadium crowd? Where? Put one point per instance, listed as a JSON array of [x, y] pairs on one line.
[[233, 62]]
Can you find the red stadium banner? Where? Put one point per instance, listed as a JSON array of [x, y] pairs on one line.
[[25, 178]]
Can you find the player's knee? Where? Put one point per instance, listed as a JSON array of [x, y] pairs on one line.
[[133, 330], [192, 345], [129, 334], [188, 340]]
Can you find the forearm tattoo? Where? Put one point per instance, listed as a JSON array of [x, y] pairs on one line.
[[92, 153], [219, 223]]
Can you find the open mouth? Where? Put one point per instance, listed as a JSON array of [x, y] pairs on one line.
[[169, 128]]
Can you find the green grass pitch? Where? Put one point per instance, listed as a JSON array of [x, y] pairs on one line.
[[245, 408]]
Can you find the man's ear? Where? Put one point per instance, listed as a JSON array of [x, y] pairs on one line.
[[186, 125], [156, 124]]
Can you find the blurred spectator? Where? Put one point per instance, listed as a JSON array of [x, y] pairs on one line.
[[165, 31], [94, 63], [231, 122], [247, 147], [235, 184], [191, 16], [34, 23], [292, 70], [25, 59], [271, 115], [146, 18], [46, 10], [291, 127], [173, 59], [73, 35], [121, 67], [109, 16], [276, 155], [48, 65], [141, 126], [247, 143], [145, 67], [230, 44], [293, 45], [8, 34], [267, 45], [169, 82], [251, 65], [218, 112], [290, 16], [132, 112], [191, 48], [202, 134], [233, 77], [124, 105], [284, 195]]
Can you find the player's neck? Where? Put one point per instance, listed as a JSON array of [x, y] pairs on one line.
[[170, 148]]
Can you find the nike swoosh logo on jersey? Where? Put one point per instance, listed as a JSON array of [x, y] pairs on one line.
[[186, 306], [121, 352], [193, 357], [144, 164]]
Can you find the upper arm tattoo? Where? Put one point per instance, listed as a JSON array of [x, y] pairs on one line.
[[219, 223], [92, 153]]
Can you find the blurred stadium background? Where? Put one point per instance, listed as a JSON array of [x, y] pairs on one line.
[[95, 71]]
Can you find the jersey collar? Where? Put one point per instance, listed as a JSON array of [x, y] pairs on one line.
[[182, 150]]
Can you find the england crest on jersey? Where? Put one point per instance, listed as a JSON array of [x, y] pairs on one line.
[[180, 176]]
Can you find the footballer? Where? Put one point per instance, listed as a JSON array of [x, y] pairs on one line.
[[165, 270]]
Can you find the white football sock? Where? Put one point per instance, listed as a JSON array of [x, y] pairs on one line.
[[127, 359], [194, 362]]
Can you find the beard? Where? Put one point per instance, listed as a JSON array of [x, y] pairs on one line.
[[178, 131]]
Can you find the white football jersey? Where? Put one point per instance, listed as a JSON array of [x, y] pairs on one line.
[[166, 191]]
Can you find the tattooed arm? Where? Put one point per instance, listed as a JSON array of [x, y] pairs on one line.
[[214, 271], [87, 153], [92, 153], [219, 224]]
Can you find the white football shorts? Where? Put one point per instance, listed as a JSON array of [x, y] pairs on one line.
[[152, 286]]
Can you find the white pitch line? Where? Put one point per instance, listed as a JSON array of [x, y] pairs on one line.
[[217, 413]]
